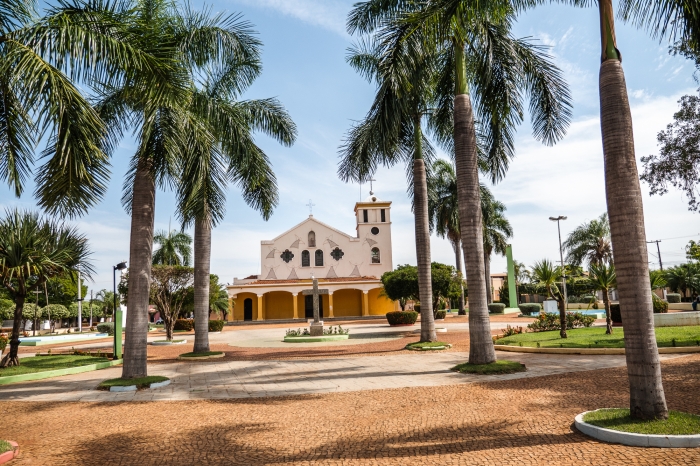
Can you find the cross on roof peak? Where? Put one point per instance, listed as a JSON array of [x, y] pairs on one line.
[[310, 205]]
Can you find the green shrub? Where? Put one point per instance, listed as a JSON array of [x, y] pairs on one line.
[[184, 324], [660, 306], [401, 317], [106, 327], [547, 322], [673, 297], [615, 314], [530, 308], [440, 314], [216, 325], [497, 308]]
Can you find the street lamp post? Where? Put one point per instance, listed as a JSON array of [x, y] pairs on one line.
[[561, 256], [80, 304], [117, 314]]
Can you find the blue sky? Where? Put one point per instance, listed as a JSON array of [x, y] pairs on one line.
[[304, 67]]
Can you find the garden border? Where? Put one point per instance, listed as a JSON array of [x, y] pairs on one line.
[[133, 388], [635, 440], [58, 372], [592, 351], [11, 454], [201, 358], [320, 338], [168, 343]]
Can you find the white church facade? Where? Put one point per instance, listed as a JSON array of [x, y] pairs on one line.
[[348, 266]]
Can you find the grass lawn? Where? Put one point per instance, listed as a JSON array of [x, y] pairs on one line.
[[207, 353], [618, 419], [49, 363], [595, 337], [4, 446], [501, 366], [428, 344], [141, 382]]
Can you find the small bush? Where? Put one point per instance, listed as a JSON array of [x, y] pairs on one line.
[[497, 308], [216, 325], [401, 317], [440, 314], [615, 314], [673, 297], [184, 324], [530, 308], [660, 306], [4, 340], [106, 327]]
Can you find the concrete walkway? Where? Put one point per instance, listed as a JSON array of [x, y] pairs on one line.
[[251, 379]]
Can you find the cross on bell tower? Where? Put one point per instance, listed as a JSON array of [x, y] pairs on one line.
[[371, 189]]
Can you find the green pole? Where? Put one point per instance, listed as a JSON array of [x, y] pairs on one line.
[[118, 334], [512, 296]]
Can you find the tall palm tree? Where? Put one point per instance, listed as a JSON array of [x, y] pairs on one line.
[[32, 250], [392, 132], [602, 278], [589, 242], [175, 248], [228, 154], [41, 58], [155, 102], [497, 231], [546, 275]]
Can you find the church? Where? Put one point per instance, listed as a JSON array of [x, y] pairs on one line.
[[349, 267]]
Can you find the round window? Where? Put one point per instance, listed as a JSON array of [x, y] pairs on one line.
[[375, 230]]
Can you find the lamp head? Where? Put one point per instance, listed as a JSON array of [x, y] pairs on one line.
[[561, 217], [120, 266]]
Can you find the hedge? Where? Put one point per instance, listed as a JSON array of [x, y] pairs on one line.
[[547, 322], [673, 297], [440, 314], [530, 308], [106, 327], [216, 325], [184, 324], [401, 317], [497, 308]]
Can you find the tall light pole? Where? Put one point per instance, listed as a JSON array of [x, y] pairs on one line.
[[561, 255], [80, 304], [117, 315]]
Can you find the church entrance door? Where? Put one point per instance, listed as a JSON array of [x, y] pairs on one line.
[[248, 309], [309, 307]]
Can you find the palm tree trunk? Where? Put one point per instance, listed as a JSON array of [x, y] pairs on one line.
[[202, 263], [487, 277], [481, 349], [562, 316], [458, 257], [608, 316], [627, 233], [140, 251], [12, 358]]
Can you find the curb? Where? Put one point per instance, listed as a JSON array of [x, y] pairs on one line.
[[429, 348], [58, 372], [132, 388], [437, 330], [167, 343], [200, 358], [635, 440], [10, 455], [530, 349]]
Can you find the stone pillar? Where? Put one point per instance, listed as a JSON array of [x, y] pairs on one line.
[[231, 308], [296, 305], [365, 303], [260, 307], [330, 305]]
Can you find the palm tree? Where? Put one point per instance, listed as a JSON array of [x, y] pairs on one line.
[[602, 278], [156, 102], [39, 60], [589, 242], [546, 275], [228, 154], [497, 231], [174, 248], [392, 132], [683, 278], [32, 250]]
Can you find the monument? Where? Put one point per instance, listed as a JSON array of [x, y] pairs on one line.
[[316, 329]]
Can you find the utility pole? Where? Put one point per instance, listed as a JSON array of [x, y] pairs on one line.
[[658, 250], [36, 293], [80, 304], [90, 309], [561, 256]]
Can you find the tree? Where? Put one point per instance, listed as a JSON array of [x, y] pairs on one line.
[[174, 248], [497, 231], [402, 283], [169, 291], [54, 312], [106, 302], [155, 102], [602, 278], [589, 242], [683, 278], [32, 250], [546, 275], [227, 152], [692, 251]]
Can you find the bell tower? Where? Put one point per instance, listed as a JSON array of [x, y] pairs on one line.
[[373, 226]]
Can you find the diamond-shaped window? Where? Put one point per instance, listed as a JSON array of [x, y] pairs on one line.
[[337, 254], [287, 255]]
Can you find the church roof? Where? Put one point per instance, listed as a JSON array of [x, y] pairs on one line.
[[311, 219], [308, 280]]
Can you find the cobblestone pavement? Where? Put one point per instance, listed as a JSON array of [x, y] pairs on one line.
[[252, 379], [512, 422]]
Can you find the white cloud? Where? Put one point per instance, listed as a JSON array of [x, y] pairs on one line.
[[329, 14]]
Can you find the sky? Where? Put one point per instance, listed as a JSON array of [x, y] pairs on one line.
[[305, 45]]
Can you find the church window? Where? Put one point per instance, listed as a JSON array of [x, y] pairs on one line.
[[337, 254], [375, 256], [287, 255], [319, 258], [305, 259], [383, 214], [312, 239], [375, 230], [364, 216]]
